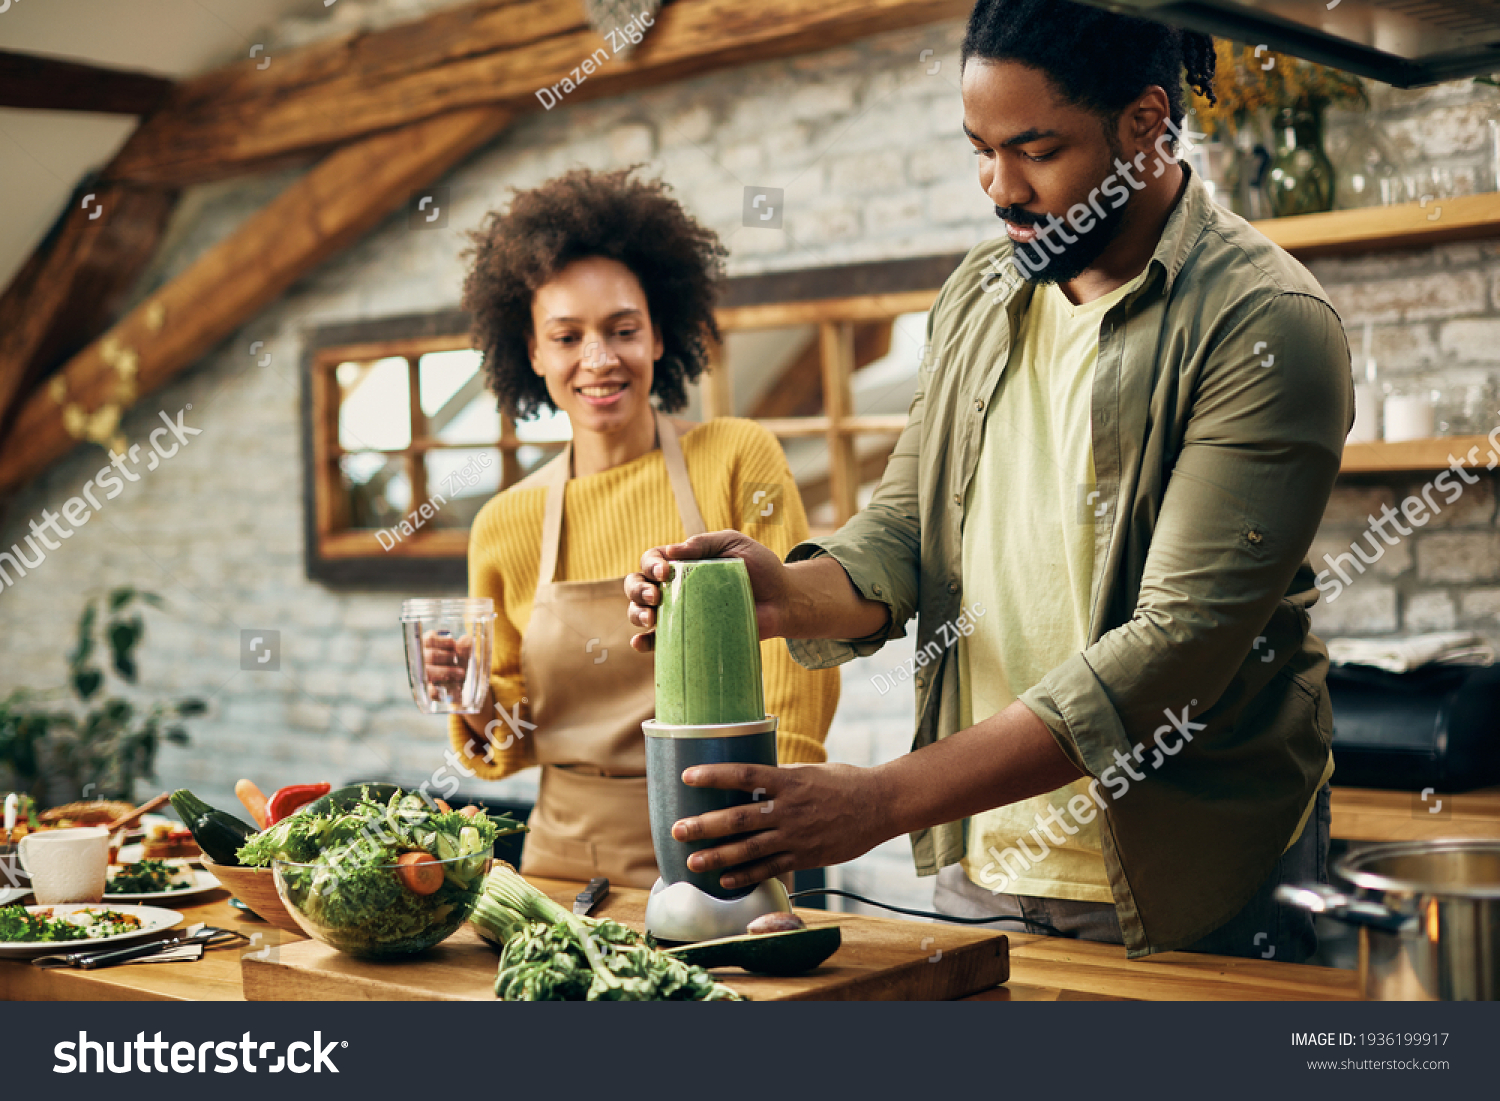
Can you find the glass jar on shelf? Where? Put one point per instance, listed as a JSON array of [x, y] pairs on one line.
[[1408, 412], [1362, 161], [1460, 406]]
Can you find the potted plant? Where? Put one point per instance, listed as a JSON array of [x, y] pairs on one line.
[[76, 738], [1292, 94]]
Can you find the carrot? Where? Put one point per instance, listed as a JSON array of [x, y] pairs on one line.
[[254, 801], [419, 872]]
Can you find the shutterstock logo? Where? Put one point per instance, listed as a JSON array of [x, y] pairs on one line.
[[85, 1056]]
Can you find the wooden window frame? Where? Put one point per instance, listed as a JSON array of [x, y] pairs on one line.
[[835, 299]]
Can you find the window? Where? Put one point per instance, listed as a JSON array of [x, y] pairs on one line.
[[407, 447], [403, 443]]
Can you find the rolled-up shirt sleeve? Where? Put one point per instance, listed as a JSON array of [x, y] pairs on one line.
[[1270, 407]]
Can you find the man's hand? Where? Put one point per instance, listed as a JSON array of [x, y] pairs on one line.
[[812, 816], [768, 581], [803, 816]]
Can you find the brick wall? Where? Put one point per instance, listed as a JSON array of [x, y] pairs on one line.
[[865, 141], [1435, 319]]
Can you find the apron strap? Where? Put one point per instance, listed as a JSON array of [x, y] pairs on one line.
[[557, 480], [682, 486], [559, 469]]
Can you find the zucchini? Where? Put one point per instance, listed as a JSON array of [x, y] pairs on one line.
[[218, 833], [782, 954]]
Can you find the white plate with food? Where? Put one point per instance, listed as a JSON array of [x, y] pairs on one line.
[[100, 923], [156, 881]]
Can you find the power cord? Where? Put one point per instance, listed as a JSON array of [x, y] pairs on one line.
[[1045, 929]]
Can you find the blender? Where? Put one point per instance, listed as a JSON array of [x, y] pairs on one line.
[[710, 709]]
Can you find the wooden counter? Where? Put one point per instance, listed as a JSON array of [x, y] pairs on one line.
[[1041, 969], [1368, 814], [1054, 969], [214, 978]]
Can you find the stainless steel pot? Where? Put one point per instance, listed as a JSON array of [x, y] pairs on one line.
[[1428, 914]]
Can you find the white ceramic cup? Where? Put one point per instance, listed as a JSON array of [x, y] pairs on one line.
[[66, 865]]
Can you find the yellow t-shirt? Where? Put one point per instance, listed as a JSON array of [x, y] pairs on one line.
[[1028, 560]]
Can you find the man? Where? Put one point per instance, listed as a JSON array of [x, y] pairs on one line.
[[1118, 454]]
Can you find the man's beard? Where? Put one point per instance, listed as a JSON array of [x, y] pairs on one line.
[[1062, 261]]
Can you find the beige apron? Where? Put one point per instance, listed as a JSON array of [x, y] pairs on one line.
[[589, 692]]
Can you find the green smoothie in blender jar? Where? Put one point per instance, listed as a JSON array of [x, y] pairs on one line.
[[707, 646]]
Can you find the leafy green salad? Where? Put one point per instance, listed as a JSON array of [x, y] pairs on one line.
[[146, 877], [380, 878], [17, 924]]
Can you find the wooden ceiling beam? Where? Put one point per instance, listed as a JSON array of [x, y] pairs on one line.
[[242, 119], [75, 282], [341, 198], [53, 84]]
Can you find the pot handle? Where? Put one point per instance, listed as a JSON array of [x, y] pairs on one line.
[[1320, 898]]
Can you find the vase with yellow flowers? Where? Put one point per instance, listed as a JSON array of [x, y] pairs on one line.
[[1253, 86]]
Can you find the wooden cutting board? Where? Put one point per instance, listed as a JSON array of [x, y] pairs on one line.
[[880, 959]]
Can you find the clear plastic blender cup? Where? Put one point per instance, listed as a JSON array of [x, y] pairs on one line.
[[470, 623]]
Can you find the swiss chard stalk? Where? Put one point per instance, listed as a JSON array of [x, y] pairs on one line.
[[542, 944]]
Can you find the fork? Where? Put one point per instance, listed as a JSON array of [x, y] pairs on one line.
[[210, 936]]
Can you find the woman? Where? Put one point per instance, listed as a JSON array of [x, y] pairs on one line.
[[593, 293]]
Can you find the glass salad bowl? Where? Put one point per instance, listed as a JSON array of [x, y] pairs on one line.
[[382, 910]]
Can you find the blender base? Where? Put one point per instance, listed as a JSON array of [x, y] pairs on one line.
[[683, 914]]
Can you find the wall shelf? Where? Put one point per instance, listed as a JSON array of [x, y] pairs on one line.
[[1407, 225], [1414, 455]]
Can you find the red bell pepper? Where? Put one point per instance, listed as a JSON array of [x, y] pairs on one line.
[[291, 797]]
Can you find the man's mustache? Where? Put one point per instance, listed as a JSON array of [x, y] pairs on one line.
[[1018, 217]]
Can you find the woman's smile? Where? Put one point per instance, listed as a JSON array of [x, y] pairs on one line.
[[600, 394]]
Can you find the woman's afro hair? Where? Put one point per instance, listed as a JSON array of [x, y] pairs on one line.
[[679, 263]]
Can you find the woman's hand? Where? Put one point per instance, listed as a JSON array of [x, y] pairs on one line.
[[769, 583], [446, 660], [801, 816]]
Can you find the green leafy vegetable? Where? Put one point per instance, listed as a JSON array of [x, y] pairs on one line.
[[146, 877], [19, 924], [340, 869], [550, 954]]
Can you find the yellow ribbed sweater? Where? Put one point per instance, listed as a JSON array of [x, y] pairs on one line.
[[610, 519]]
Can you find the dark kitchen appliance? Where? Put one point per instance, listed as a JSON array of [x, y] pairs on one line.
[[1407, 43], [1436, 727]]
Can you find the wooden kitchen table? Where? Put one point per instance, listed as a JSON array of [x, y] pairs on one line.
[[1041, 969], [214, 978]]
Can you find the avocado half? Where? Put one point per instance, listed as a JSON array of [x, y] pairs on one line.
[[782, 954]]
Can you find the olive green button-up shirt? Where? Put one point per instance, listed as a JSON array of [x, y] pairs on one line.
[[1220, 403]]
